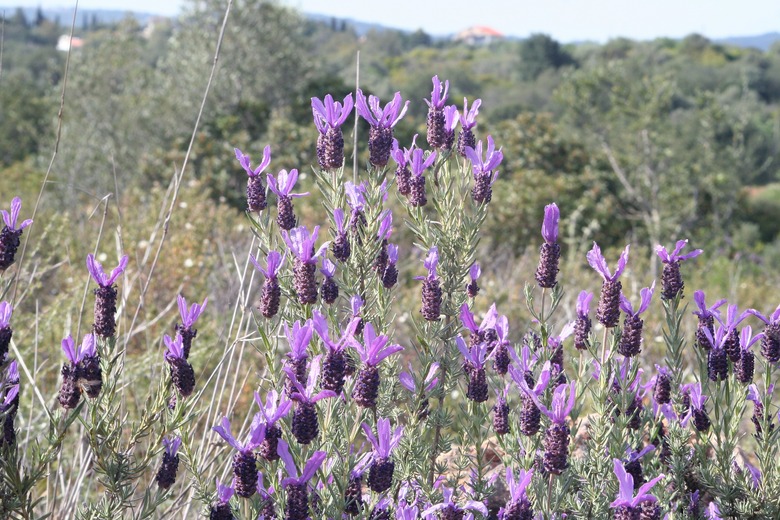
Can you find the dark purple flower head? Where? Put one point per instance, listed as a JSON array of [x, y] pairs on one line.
[[255, 438], [476, 355], [645, 295], [376, 116], [583, 303], [407, 381], [392, 253], [306, 394], [301, 243], [12, 219], [276, 407], [448, 503], [385, 225], [6, 311], [245, 163], [274, 262], [309, 469], [599, 263], [468, 119], [190, 316], [96, 270], [705, 312], [431, 262], [356, 195], [283, 184], [518, 486], [386, 440], [374, 348], [626, 496], [330, 114], [298, 337], [171, 444], [76, 354], [438, 95], [550, 225], [675, 255], [419, 162], [328, 268], [492, 156]]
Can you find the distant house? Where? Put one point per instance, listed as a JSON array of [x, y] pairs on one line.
[[65, 43], [478, 35]]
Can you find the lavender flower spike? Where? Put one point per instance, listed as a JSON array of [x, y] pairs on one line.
[[188, 319], [105, 295], [6, 332], [166, 475], [518, 505], [450, 123], [182, 374], [707, 317], [221, 510], [98, 274], [296, 486], [627, 505], [556, 439], [390, 274], [472, 289], [608, 312], [10, 235], [282, 185], [271, 291], [583, 323], [745, 367], [435, 124], [301, 243], [418, 165], [550, 250], [305, 425], [485, 173], [770, 343], [255, 191], [474, 366], [403, 158], [697, 412], [380, 473], [382, 121], [276, 407], [431, 289], [70, 391], [468, 120], [672, 282], [340, 247], [329, 115], [372, 351], [245, 461], [631, 338], [450, 509]]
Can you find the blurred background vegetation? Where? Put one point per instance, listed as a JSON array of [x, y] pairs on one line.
[[641, 142]]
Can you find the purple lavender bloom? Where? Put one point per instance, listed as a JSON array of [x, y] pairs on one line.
[[428, 384], [486, 330], [468, 120], [255, 191], [9, 404], [770, 343], [503, 348], [297, 507], [707, 317], [436, 120], [530, 414], [633, 465], [550, 250], [418, 165], [276, 407], [745, 367], [583, 323], [70, 391], [271, 291], [188, 319], [431, 289], [717, 359], [340, 247], [166, 475], [731, 340], [485, 173], [383, 235], [518, 506], [301, 243], [6, 332], [451, 120], [380, 472], [182, 373], [712, 512], [390, 274], [334, 368], [697, 411], [10, 235], [403, 158], [472, 289], [305, 425], [449, 507], [329, 289], [328, 117], [298, 338], [758, 418], [662, 385], [626, 502], [474, 366], [671, 280], [631, 338], [608, 312], [372, 351], [382, 121], [356, 303], [282, 185], [221, 510], [245, 461], [556, 440], [105, 295], [267, 511], [356, 198]]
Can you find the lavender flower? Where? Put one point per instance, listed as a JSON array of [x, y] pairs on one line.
[[608, 312], [383, 235], [746, 365], [627, 506], [770, 342], [188, 319], [9, 404], [182, 374], [486, 331], [436, 119], [518, 507], [631, 339], [717, 360], [245, 461], [501, 412], [731, 339], [305, 425], [418, 165], [468, 120], [555, 345], [334, 368], [501, 351], [632, 464], [372, 351], [449, 509], [329, 115], [428, 384], [713, 512], [472, 289], [298, 338], [267, 509], [255, 191], [276, 407], [382, 121], [166, 475], [340, 246], [10, 236], [403, 158], [356, 198], [583, 324], [271, 291], [221, 510], [474, 366], [380, 472], [530, 414], [556, 440], [450, 123], [70, 391], [297, 507], [88, 370], [105, 295], [356, 303], [431, 289], [662, 385], [6, 332], [485, 173], [328, 290], [697, 411], [390, 274], [671, 279], [283, 185], [758, 417], [707, 317], [301, 243], [550, 251]]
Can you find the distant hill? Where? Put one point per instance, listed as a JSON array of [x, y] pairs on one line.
[[64, 15], [762, 41]]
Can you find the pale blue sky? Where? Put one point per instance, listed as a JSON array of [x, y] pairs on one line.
[[566, 20]]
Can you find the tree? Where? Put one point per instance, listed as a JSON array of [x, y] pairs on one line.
[[539, 53]]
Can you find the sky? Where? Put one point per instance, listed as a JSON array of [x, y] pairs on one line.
[[565, 20]]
